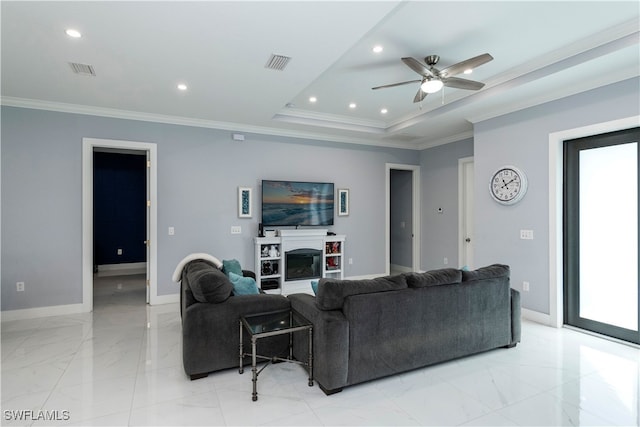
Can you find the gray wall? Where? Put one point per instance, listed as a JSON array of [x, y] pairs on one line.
[[522, 139], [439, 176], [401, 211], [199, 171]]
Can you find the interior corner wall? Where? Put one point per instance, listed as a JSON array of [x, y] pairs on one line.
[[522, 139], [199, 172], [439, 176]]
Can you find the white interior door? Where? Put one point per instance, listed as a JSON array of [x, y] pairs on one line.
[[465, 215]]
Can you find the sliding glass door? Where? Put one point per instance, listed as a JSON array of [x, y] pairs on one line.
[[601, 234]]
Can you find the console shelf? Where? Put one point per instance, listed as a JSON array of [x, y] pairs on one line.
[[270, 259]]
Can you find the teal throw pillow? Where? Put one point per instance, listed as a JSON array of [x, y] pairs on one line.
[[314, 286], [243, 285], [231, 266]]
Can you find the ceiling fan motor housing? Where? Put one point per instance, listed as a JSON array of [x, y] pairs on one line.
[[431, 60]]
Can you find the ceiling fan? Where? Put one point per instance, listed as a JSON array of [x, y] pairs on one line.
[[433, 79]]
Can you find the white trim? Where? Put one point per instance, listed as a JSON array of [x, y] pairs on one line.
[[416, 213], [556, 257], [37, 312], [88, 144], [536, 316]]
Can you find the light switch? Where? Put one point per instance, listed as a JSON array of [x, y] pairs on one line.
[[236, 229], [172, 231]]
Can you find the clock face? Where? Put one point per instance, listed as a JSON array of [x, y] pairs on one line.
[[508, 185]]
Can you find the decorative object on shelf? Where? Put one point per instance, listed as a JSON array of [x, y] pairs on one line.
[[244, 202], [273, 252], [343, 202], [265, 251], [508, 185]]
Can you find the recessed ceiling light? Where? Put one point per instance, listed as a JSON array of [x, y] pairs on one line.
[[384, 111], [182, 86], [73, 33], [352, 105], [468, 71], [377, 49], [313, 99]]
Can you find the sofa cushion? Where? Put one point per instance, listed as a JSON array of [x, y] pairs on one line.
[[243, 285], [444, 276], [332, 292], [207, 283], [489, 272]]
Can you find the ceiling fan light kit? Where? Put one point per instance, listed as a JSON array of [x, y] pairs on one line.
[[433, 79], [431, 85]]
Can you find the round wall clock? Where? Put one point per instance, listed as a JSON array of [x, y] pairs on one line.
[[508, 185]]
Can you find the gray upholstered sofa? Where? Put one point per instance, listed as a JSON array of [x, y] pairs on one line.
[[210, 319], [367, 329]]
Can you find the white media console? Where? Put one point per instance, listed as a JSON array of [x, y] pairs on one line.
[[287, 263]]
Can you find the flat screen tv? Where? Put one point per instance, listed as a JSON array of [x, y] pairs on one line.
[[294, 203]]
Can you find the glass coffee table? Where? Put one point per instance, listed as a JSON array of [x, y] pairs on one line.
[[269, 324]]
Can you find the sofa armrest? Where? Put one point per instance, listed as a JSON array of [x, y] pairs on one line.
[[516, 314], [210, 332], [330, 342]]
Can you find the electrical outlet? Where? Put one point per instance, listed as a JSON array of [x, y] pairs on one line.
[[172, 231], [445, 261], [350, 261], [20, 287], [526, 234], [525, 286]]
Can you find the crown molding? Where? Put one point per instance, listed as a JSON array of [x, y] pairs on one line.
[[184, 121]]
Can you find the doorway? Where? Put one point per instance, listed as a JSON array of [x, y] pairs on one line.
[[601, 290], [149, 150], [402, 218]]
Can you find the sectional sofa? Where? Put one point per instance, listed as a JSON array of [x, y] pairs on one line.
[[368, 329]]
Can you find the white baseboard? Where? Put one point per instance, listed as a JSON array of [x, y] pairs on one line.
[[536, 316], [34, 313], [122, 269], [61, 310]]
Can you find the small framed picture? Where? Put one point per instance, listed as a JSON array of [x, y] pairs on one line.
[[343, 202], [244, 202]]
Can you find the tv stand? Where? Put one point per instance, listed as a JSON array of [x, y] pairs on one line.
[[271, 259]]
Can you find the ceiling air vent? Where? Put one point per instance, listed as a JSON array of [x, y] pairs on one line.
[[82, 69], [277, 62]]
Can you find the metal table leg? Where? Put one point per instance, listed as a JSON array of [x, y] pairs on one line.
[[241, 368], [254, 370], [310, 361]]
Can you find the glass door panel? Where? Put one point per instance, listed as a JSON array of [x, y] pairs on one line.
[[609, 235]]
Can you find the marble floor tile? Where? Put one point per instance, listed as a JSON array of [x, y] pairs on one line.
[[122, 365]]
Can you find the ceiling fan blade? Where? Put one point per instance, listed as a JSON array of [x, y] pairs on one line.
[[395, 84], [420, 96], [465, 65], [418, 67], [459, 83]]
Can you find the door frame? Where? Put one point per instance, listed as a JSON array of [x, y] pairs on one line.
[[88, 145], [415, 202], [462, 213], [556, 185]]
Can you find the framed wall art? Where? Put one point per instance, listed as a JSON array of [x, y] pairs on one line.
[[244, 202], [343, 202]]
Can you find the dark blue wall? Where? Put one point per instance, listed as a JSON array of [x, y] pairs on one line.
[[119, 208]]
